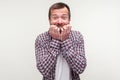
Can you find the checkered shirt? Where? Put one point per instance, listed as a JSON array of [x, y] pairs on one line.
[[72, 49]]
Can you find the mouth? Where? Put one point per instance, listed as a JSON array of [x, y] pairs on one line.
[[59, 25]]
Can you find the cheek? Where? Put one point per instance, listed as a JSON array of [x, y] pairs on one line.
[[56, 21], [52, 21], [66, 21]]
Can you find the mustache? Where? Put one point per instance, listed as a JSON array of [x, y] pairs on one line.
[[60, 25]]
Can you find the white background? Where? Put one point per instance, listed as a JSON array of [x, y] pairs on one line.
[[21, 21]]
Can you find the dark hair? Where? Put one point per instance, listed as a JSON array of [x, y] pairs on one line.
[[59, 5]]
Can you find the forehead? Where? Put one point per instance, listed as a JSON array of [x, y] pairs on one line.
[[59, 11]]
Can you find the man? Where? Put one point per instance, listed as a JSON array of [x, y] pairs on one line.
[[60, 51]]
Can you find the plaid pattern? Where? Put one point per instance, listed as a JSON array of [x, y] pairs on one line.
[[72, 49]]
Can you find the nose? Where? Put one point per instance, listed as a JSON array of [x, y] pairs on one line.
[[60, 21]]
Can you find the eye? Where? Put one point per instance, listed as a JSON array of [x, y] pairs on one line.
[[64, 17], [54, 17]]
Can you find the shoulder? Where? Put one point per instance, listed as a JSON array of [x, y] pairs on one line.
[[76, 35], [43, 38]]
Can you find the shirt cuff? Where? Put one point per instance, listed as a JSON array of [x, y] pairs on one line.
[[55, 44], [65, 45]]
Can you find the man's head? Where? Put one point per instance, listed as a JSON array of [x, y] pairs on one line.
[[59, 14]]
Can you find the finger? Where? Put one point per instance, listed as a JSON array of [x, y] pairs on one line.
[[61, 29], [51, 28], [61, 34], [69, 26], [55, 30], [58, 30], [68, 29], [58, 33], [65, 27]]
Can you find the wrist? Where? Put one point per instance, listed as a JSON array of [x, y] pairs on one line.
[[54, 43], [66, 44]]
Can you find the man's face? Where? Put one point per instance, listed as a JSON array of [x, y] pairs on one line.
[[59, 17]]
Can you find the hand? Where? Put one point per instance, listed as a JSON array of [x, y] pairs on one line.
[[64, 33], [54, 32]]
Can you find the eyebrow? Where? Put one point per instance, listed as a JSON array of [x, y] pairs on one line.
[[56, 14]]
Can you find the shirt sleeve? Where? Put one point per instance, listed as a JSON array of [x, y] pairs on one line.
[[46, 52], [74, 53]]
